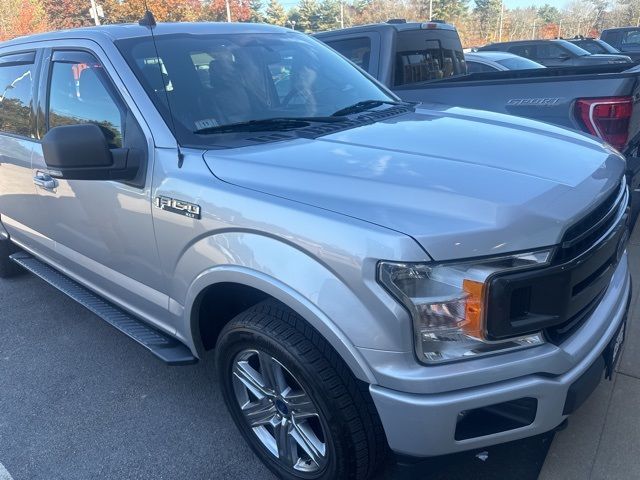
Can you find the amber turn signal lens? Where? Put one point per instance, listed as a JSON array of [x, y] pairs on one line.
[[473, 309]]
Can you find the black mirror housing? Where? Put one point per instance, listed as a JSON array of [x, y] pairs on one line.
[[81, 152]]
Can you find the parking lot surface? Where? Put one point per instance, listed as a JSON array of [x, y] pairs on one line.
[[78, 400]]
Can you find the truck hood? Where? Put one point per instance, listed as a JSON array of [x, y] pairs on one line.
[[462, 183]]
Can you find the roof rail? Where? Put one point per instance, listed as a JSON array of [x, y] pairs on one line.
[[394, 21]]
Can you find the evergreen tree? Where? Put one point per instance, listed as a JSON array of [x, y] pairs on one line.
[[447, 10], [548, 14], [329, 15], [310, 16], [256, 15], [276, 14], [487, 13]]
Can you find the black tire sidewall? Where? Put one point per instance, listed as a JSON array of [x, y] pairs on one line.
[[238, 339]]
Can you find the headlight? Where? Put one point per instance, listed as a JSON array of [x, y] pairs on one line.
[[448, 304]]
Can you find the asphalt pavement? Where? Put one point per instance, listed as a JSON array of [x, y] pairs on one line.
[[79, 400]]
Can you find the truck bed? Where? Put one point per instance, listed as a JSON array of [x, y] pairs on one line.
[[544, 94]]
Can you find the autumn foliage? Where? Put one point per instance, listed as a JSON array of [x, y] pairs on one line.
[[478, 21]]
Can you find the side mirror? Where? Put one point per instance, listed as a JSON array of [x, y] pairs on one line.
[[564, 57], [81, 152]]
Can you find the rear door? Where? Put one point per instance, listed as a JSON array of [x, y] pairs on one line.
[[18, 200]]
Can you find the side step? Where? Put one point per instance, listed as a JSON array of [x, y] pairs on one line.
[[166, 348]]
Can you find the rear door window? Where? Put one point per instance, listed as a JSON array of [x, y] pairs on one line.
[[16, 93], [550, 51], [527, 51], [424, 55], [358, 50]]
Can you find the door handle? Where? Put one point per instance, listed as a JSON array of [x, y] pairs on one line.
[[44, 180]]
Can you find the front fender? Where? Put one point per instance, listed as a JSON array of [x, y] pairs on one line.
[[298, 280]]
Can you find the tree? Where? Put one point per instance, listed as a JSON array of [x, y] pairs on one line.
[[276, 14], [216, 10], [548, 14], [487, 15], [329, 13], [256, 15], [447, 10], [310, 16], [124, 11], [67, 14], [22, 17]]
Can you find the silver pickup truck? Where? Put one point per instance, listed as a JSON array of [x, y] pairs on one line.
[[371, 276]]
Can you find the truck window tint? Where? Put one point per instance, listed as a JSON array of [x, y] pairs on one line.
[[527, 51], [15, 99], [78, 94], [358, 50], [477, 67], [592, 47], [419, 59], [550, 51], [631, 39]]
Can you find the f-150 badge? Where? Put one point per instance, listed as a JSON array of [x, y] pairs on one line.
[[180, 207]]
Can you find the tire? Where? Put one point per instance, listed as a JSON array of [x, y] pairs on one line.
[[7, 267], [328, 412]]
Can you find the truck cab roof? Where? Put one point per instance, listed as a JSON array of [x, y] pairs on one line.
[[133, 30], [399, 26]]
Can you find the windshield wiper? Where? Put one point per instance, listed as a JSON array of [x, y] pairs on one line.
[[363, 106], [267, 124]]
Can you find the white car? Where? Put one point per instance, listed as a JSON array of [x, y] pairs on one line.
[[480, 62]]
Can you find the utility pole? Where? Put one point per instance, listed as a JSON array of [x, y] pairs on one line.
[[341, 14], [95, 12], [533, 32], [228, 10], [560, 29], [430, 10], [501, 21]]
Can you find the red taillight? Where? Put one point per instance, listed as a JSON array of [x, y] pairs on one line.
[[608, 118]]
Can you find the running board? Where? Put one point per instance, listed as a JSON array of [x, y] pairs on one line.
[[166, 348]]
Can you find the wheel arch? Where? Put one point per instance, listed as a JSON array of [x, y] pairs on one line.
[[239, 288]]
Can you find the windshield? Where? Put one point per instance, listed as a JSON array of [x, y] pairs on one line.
[[576, 50], [596, 47], [215, 80], [519, 63], [631, 39]]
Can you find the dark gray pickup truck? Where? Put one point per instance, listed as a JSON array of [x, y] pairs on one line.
[[424, 62]]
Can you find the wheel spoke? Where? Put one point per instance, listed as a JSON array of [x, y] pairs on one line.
[[260, 412], [301, 406], [272, 373], [251, 379], [286, 443], [313, 447]]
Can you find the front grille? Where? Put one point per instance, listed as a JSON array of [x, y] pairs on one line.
[[588, 230], [560, 297]]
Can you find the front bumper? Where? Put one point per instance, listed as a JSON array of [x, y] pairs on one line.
[[425, 425]]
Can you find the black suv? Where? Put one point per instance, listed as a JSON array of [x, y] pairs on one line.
[[555, 53]]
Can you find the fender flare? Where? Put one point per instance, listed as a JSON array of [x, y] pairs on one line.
[[289, 297]]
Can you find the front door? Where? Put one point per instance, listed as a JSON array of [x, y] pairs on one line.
[[103, 230]]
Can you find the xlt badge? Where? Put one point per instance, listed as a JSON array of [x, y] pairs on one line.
[[180, 207]]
